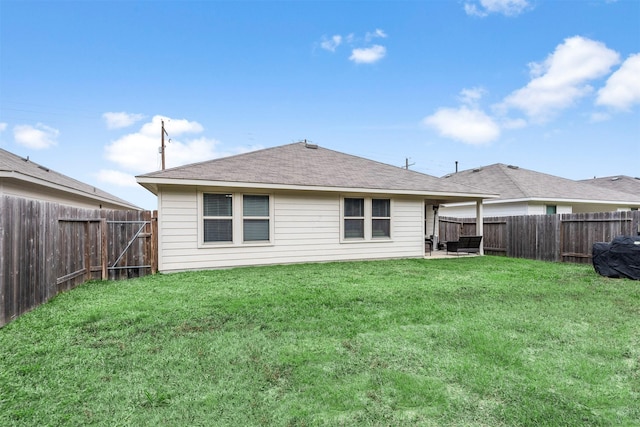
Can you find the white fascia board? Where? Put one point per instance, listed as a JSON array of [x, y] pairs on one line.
[[487, 202], [43, 183], [587, 201], [150, 182], [547, 201]]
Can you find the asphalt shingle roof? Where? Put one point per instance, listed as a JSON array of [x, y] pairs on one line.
[[512, 182], [299, 164], [622, 183], [11, 163]]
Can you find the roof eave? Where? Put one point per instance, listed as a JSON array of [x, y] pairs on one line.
[[27, 178], [152, 184], [587, 201], [565, 200]]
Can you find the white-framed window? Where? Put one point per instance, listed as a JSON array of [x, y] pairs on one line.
[[380, 218], [217, 214], [366, 218], [353, 218], [235, 219], [255, 218]]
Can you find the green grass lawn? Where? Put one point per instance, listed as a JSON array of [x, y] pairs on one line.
[[478, 341]]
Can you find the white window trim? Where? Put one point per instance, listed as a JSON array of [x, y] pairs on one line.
[[202, 219], [380, 217], [249, 217], [368, 220], [237, 221]]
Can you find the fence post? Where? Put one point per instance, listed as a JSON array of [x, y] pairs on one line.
[[103, 249], [87, 252], [480, 224], [154, 242]]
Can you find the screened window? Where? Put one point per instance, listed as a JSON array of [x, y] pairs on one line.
[[218, 217], [255, 212], [353, 218], [551, 209], [381, 218]]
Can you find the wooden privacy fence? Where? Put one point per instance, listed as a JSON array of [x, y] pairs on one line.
[[47, 248], [564, 237]]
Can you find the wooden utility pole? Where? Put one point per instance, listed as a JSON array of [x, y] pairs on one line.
[[162, 146], [407, 164]]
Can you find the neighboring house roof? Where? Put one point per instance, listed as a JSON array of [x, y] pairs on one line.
[[515, 183], [309, 167], [623, 183], [13, 167]]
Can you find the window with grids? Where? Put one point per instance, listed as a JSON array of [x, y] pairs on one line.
[[380, 218], [255, 218], [353, 218], [218, 217]]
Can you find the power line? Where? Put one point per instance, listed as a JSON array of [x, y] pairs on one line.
[[25, 107]]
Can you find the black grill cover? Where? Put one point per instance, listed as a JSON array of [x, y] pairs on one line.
[[620, 258]]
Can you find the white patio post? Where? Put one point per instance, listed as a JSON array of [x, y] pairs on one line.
[[480, 224]]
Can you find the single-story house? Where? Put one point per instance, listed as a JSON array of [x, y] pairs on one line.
[[622, 183], [21, 177], [527, 192], [294, 203]]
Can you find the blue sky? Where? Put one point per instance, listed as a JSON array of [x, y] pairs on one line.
[[552, 86]]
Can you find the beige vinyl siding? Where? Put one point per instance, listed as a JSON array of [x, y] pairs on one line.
[[526, 208], [306, 229], [540, 208], [587, 208], [28, 190], [468, 210]]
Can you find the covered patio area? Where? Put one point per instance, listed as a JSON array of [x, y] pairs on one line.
[[433, 245]]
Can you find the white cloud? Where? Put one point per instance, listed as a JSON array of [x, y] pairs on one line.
[[472, 96], [121, 119], [359, 54], [138, 152], [599, 117], [37, 137], [195, 150], [378, 33], [118, 178], [471, 126], [506, 7], [513, 124], [174, 127], [622, 89], [3, 127], [332, 43], [368, 55], [562, 78]]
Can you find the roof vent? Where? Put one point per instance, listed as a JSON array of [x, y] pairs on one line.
[[513, 167], [43, 168], [615, 178], [477, 170], [309, 145]]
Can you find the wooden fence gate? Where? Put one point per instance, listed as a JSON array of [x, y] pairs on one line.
[[119, 245]]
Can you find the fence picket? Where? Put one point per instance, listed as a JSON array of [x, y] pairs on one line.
[[47, 248], [563, 237]]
